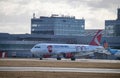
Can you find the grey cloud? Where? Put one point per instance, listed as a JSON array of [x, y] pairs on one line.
[[95, 3], [22, 13], [105, 4], [21, 19], [16, 1], [76, 3]]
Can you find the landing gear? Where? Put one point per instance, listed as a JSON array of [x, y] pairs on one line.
[[118, 58], [73, 57], [58, 57], [40, 58]]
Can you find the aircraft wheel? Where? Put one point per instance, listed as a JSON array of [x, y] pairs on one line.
[[40, 58], [73, 58], [58, 58], [118, 58]]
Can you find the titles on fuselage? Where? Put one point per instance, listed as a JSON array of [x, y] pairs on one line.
[[61, 46]]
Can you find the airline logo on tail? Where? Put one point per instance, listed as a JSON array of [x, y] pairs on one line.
[[96, 40]]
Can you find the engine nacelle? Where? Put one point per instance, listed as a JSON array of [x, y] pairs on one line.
[[67, 55], [46, 55]]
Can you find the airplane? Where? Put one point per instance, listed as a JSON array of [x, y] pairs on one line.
[[114, 52], [45, 50]]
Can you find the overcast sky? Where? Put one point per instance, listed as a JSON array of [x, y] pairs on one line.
[[15, 15]]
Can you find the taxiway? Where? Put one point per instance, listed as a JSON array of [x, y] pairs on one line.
[[59, 69], [63, 60]]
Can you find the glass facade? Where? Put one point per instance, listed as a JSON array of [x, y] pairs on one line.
[[117, 30], [118, 14], [16, 48], [44, 25], [21, 47], [59, 25], [112, 26], [69, 26], [109, 27]]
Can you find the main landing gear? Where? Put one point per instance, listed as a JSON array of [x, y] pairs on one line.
[[72, 58], [41, 58], [58, 57]]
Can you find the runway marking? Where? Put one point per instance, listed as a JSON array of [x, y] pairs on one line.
[[58, 69]]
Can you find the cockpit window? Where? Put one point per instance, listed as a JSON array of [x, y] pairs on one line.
[[37, 46]]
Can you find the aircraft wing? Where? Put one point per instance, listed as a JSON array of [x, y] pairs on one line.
[[66, 51], [81, 53]]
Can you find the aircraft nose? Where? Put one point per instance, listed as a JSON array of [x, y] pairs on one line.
[[32, 50]]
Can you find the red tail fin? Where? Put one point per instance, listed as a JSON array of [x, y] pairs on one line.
[[96, 40]]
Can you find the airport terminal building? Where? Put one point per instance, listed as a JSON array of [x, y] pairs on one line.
[[19, 45], [53, 29]]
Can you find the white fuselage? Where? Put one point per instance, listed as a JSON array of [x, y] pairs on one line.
[[45, 48]]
